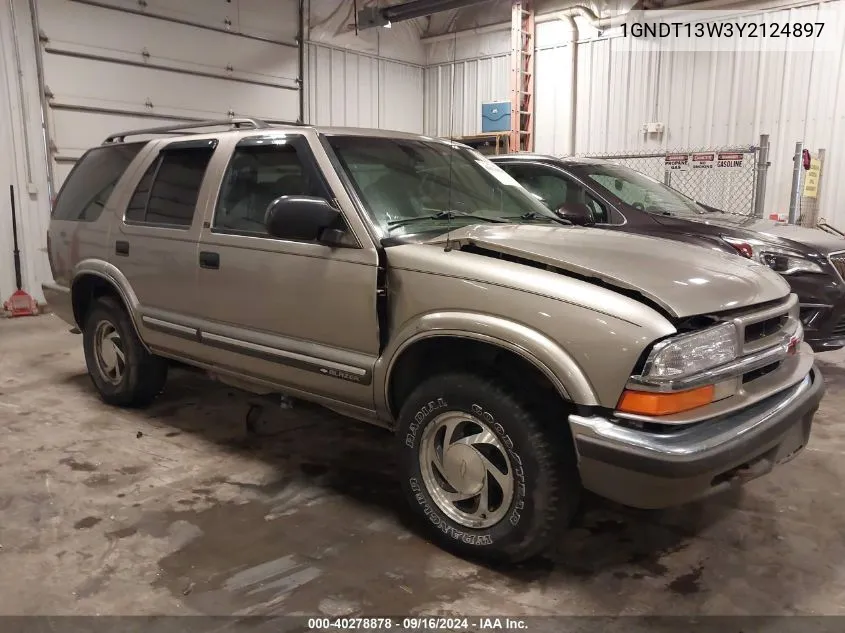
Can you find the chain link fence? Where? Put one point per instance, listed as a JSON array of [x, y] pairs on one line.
[[724, 177]]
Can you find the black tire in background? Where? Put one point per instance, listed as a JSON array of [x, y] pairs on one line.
[[140, 377], [541, 464]]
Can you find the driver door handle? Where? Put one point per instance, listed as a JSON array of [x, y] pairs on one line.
[[209, 260]]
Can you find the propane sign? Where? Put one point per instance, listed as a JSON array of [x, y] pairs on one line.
[[676, 162]]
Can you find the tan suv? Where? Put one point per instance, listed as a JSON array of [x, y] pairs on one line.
[[409, 282]]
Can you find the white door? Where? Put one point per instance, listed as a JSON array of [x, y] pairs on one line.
[[114, 65]]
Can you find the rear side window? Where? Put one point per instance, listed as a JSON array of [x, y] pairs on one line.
[[91, 181], [167, 193]]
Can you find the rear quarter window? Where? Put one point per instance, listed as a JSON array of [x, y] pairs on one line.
[[92, 180]]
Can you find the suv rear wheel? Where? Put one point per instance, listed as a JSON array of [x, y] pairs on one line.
[[481, 471], [124, 373]]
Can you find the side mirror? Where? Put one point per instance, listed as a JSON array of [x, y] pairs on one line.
[[576, 212], [303, 218]]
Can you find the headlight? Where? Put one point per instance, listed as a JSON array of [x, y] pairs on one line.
[[689, 354], [780, 260]]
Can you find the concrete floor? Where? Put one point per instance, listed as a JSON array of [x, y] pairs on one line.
[[174, 510]]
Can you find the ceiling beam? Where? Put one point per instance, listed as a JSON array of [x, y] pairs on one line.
[[382, 16]]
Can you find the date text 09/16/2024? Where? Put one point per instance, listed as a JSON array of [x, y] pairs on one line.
[[418, 624]]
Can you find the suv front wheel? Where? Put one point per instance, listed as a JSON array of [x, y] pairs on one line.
[[123, 371], [484, 475]]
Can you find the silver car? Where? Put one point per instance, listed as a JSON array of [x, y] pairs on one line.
[[409, 282]]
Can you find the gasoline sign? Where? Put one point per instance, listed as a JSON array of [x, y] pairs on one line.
[[676, 162], [729, 160]]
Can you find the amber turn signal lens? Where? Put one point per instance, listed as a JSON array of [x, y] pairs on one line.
[[650, 403]]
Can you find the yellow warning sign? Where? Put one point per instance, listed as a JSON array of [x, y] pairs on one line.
[[811, 179]]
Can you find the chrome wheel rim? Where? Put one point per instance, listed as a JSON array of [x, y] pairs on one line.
[[111, 359], [466, 470]]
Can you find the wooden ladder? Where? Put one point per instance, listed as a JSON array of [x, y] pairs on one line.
[[522, 76]]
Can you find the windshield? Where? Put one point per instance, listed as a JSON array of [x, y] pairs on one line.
[[410, 186], [641, 192]]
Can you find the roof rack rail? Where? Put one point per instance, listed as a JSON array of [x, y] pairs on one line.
[[236, 123]]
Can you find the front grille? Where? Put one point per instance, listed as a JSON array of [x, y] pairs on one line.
[[762, 329], [837, 260]]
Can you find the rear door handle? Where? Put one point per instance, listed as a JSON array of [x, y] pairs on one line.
[[209, 260], [121, 247]]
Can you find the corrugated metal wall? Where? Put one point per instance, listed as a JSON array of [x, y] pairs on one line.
[[23, 161], [348, 88], [705, 98], [454, 94]]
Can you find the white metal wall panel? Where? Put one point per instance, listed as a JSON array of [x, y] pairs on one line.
[[105, 65], [124, 36], [274, 19], [401, 90], [23, 161], [8, 175], [101, 84], [351, 89], [705, 98], [455, 92], [331, 24]]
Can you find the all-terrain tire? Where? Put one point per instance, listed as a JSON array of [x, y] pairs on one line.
[[141, 375], [543, 466]]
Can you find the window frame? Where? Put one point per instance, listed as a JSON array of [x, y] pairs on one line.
[[157, 160], [572, 179], [310, 168]]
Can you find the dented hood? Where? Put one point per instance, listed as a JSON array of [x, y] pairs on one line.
[[684, 280]]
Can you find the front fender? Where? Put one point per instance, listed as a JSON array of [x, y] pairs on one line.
[[551, 359]]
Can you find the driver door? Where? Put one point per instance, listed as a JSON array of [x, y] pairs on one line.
[[298, 314]]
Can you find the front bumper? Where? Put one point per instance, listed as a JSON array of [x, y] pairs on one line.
[[650, 470], [822, 305], [824, 327]]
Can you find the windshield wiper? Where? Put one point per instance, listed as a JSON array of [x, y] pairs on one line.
[[531, 215], [441, 215]]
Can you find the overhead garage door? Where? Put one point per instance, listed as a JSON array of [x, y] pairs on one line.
[[113, 65]]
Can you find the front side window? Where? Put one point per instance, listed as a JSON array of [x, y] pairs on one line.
[[548, 186], [89, 185], [555, 190], [167, 193], [410, 185], [257, 175]]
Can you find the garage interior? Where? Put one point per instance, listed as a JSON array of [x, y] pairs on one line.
[[180, 509]]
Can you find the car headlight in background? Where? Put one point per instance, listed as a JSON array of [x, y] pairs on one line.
[[780, 260]]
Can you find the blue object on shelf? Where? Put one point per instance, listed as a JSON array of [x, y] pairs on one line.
[[496, 117]]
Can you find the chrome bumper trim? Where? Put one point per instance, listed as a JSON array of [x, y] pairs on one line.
[[697, 440]]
